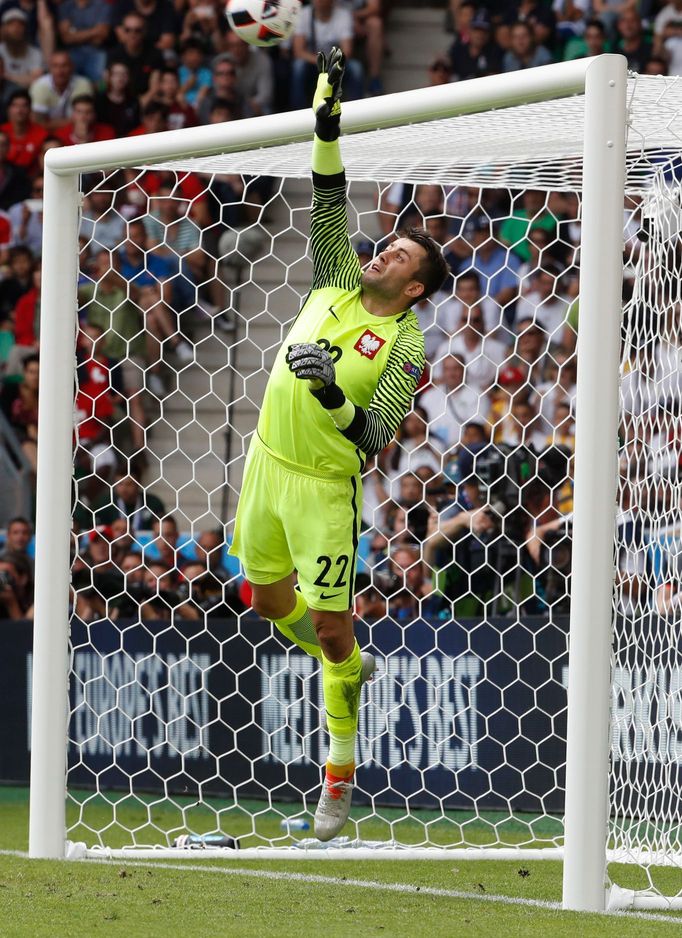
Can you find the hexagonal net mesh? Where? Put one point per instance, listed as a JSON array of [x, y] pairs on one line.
[[191, 715]]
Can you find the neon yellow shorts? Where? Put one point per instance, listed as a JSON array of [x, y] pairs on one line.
[[289, 521]]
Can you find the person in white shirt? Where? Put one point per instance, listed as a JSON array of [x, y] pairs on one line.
[[545, 304], [23, 62], [438, 317], [481, 353], [450, 403]]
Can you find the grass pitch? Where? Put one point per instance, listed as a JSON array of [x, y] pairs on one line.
[[264, 898]]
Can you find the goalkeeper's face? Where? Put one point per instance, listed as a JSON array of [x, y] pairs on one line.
[[393, 273]]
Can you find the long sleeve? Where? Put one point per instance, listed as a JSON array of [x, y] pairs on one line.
[[373, 428], [335, 263]]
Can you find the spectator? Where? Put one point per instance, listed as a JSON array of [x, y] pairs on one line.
[[160, 21], [410, 450], [105, 305], [95, 455], [368, 28], [52, 94], [204, 23], [129, 500], [450, 403], [437, 320], [164, 545], [440, 71], [522, 426], [19, 535], [16, 586], [523, 50], [481, 352], [406, 586], [255, 75], [632, 42], [496, 267], [462, 544], [527, 213], [478, 55], [26, 220], [83, 126], [144, 62], [209, 551], [18, 281], [27, 318], [667, 41], [25, 136], [101, 223], [331, 25], [177, 239], [571, 16], [671, 65], [223, 88], [608, 12], [116, 105], [467, 295], [669, 12], [7, 89], [41, 30], [195, 78], [14, 184], [23, 62], [154, 119], [19, 403], [531, 347], [170, 95], [84, 29], [148, 272], [592, 42], [544, 304]]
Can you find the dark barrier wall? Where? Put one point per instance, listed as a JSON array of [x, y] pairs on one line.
[[468, 712]]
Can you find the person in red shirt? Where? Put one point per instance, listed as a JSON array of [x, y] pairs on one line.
[[84, 127], [25, 136], [26, 314]]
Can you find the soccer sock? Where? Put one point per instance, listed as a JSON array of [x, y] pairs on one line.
[[298, 626], [341, 685]]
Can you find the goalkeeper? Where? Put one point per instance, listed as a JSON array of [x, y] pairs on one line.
[[339, 387]]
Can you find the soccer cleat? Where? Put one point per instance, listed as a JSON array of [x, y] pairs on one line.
[[367, 670], [333, 807]]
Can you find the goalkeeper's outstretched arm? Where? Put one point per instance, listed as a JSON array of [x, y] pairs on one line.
[[335, 263]]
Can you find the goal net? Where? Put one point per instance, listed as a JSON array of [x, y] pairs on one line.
[[187, 715]]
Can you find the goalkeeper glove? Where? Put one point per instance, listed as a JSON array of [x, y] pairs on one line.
[[327, 100], [313, 363]]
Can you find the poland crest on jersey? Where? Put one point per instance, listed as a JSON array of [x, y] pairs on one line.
[[369, 344]]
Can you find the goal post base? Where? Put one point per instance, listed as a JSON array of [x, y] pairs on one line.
[[341, 848]]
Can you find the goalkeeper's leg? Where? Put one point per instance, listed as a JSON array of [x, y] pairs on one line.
[[288, 610], [342, 679]]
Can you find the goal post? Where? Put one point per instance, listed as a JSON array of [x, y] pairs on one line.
[[279, 145]]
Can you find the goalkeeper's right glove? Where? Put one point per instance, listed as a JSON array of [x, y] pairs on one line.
[[327, 100]]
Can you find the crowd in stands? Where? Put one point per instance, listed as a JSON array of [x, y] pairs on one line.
[[468, 511]]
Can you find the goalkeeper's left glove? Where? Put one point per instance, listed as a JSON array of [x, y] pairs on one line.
[[314, 364], [327, 100]]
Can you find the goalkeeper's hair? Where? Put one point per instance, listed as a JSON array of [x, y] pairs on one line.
[[433, 270]]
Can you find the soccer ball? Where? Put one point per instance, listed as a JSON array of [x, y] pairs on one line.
[[263, 22]]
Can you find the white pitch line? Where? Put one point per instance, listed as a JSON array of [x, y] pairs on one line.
[[404, 888]]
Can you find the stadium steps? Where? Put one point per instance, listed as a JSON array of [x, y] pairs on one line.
[[187, 434]]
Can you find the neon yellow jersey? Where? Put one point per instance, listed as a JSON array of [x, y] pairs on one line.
[[378, 359]]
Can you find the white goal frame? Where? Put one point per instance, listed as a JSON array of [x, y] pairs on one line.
[[603, 81]]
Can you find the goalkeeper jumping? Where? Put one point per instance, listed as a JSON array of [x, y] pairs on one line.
[[341, 384]]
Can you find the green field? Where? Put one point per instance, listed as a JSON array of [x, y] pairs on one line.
[[279, 898]]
